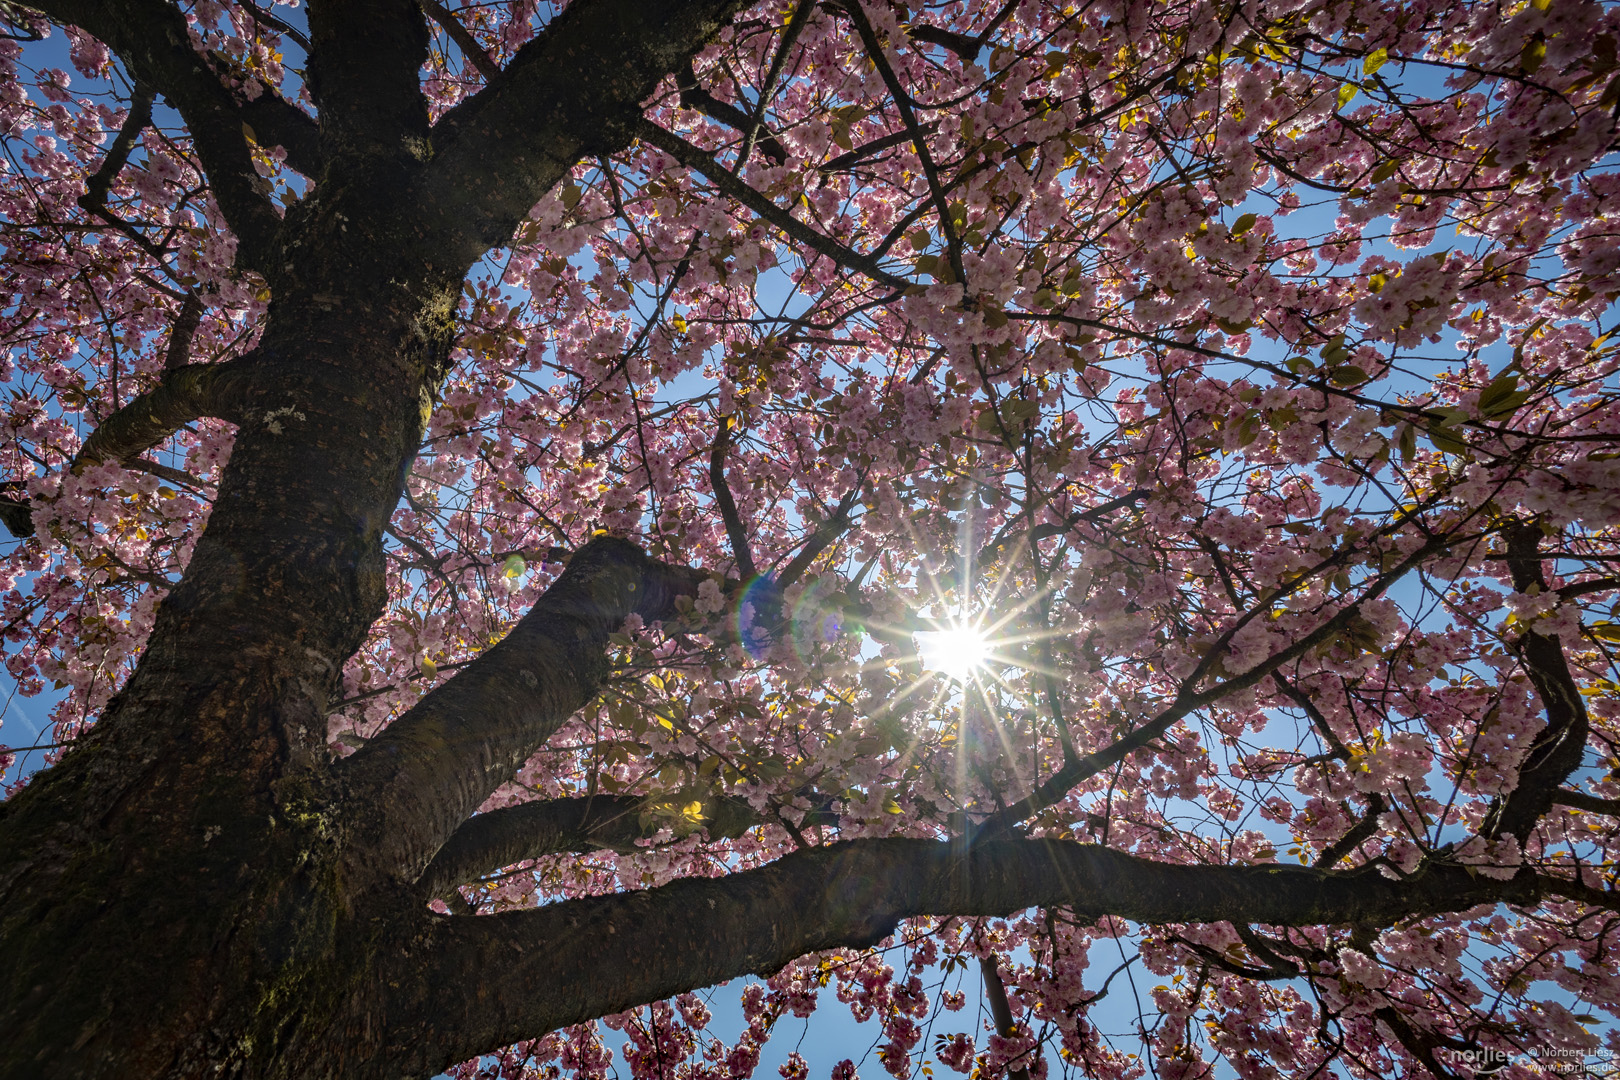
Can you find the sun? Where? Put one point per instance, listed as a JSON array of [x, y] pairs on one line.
[[957, 652]]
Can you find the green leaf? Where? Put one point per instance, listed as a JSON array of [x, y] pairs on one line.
[[1243, 224], [1374, 60], [1607, 631], [1611, 94], [1445, 441], [1449, 416], [1017, 410], [1385, 171], [1406, 442], [1347, 93], [514, 566], [1502, 397], [1534, 52], [1347, 375]]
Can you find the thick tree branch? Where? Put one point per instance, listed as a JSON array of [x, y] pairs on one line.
[[409, 788], [364, 72], [151, 37], [1556, 751], [876, 146], [1420, 1044], [1580, 800], [100, 182], [1000, 1008], [960, 44], [184, 329], [278, 122], [730, 185], [16, 512], [573, 961], [187, 393], [499, 151], [500, 838]]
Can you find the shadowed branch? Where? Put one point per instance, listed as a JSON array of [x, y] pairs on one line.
[[152, 38], [502, 837], [412, 786], [698, 161], [572, 961], [499, 151], [187, 393], [1556, 751]]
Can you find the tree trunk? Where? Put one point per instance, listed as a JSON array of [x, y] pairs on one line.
[[171, 895], [182, 896]]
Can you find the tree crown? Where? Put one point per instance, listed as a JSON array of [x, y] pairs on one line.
[[1229, 379]]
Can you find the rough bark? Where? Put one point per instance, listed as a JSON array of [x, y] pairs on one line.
[[426, 774], [585, 958], [196, 817], [174, 898]]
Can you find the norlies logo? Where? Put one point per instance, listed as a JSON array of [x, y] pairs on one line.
[[1486, 1061]]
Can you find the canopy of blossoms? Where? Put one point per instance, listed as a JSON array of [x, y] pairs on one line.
[[1234, 378]]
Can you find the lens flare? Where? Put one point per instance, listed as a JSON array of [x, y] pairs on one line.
[[958, 652]]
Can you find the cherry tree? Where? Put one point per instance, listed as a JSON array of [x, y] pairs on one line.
[[533, 510]]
